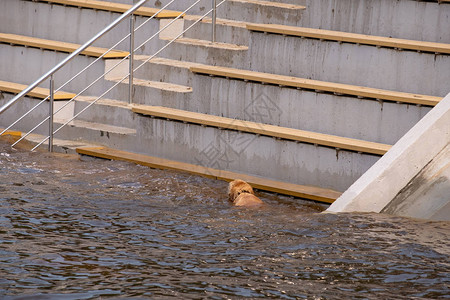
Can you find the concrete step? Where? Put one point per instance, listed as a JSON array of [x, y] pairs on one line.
[[29, 41], [281, 12], [164, 70], [306, 192], [115, 7], [105, 111], [203, 51], [25, 64], [59, 145], [97, 133], [84, 23], [239, 146], [326, 107], [262, 129], [62, 109], [354, 38], [323, 56], [39, 93], [89, 131], [256, 11], [406, 19], [227, 31], [152, 92]]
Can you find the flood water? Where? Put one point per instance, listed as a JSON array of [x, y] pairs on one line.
[[74, 228]]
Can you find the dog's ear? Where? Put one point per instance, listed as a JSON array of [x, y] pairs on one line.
[[232, 191]]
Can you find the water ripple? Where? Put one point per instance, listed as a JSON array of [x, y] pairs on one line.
[[86, 229]]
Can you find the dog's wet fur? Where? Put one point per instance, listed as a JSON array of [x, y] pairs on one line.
[[240, 193]]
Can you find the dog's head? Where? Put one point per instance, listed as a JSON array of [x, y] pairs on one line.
[[237, 187]]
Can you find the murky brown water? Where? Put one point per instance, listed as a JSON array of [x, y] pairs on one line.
[[82, 229]]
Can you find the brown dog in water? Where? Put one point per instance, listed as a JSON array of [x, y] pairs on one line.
[[240, 193]]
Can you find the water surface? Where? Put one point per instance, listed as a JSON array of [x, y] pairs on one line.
[[86, 229]]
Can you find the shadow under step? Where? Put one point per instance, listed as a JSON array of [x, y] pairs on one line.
[[301, 191]]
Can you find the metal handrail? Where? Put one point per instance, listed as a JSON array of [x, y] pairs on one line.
[[124, 77], [82, 91], [50, 74], [71, 56]]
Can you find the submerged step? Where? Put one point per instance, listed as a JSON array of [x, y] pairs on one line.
[[264, 129], [301, 191]]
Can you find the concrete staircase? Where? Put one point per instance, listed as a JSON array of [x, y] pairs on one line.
[[275, 81]]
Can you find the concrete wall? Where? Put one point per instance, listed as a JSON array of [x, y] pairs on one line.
[[417, 155], [427, 195], [385, 68], [383, 122], [416, 20], [72, 24], [280, 12], [250, 154], [25, 65]]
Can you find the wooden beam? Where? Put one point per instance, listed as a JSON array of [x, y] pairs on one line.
[[352, 38], [117, 7], [264, 129], [29, 41], [40, 93], [304, 83], [301, 191]]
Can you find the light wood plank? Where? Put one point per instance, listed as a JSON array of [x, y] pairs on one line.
[[13, 133], [302, 191], [352, 38], [304, 83], [40, 93], [263, 129], [117, 7], [58, 46]]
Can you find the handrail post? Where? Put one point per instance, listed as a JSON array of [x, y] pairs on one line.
[[131, 63], [214, 14], [51, 109]]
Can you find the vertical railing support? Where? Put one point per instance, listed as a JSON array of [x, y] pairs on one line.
[[50, 113], [214, 15], [131, 64]]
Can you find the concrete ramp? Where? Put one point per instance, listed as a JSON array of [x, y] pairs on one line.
[[413, 178]]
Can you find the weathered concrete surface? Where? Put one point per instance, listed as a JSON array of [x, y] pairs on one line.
[[370, 120], [427, 195], [25, 65], [263, 156], [73, 24], [415, 20], [384, 68], [417, 155]]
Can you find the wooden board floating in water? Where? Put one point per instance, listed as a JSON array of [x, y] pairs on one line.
[[296, 190]]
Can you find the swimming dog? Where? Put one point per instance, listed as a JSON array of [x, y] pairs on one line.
[[240, 193]]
